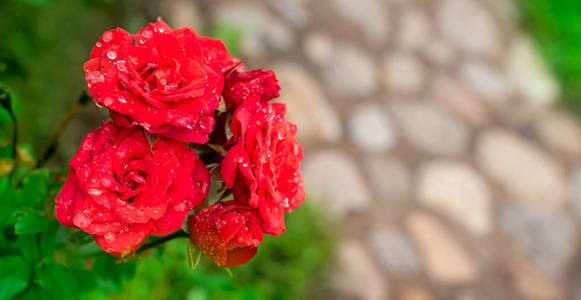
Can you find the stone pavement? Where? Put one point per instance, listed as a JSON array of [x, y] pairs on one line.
[[431, 129]]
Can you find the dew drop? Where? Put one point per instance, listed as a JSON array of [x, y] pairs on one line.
[[108, 101], [81, 220], [98, 45], [110, 237], [122, 66], [112, 54], [107, 36], [147, 34], [94, 192], [122, 100], [180, 207]]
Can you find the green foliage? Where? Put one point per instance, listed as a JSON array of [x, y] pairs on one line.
[[555, 26]]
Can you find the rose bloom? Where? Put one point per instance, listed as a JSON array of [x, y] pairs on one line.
[[121, 189], [262, 165], [241, 85], [226, 232], [166, 81]]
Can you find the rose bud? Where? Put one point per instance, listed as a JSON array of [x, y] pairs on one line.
[[226, 232], [167, 81], [262, 165], [242, 85], [121, 189]]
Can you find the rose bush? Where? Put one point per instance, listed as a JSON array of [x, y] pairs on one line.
[[122, 189], [166, 85], [226, 232], [166, 81]]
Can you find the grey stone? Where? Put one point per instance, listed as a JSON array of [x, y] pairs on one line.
[[490, 83], [457, 191], [395, 252], [414, 28], [547, 240], [358, 276], [307, 106], [368, 15], [575, 189], [350, 72], [469, 25], [561, 132], [263, 32], [318, 47], [333, 178], [390, 178], [182, 13], [403, 73], [524, 171], [430, 128], [458, 99], [445, 259], [293, 11], [371, 130]]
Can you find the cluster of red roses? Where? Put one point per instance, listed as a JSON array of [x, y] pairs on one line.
[[136, 177]]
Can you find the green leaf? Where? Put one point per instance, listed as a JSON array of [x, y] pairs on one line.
[[49, 240], [34, 189], [33, 293], [14, 276], [9, 205], [57, 281], [29, 247], [31, 223], [194, 255]]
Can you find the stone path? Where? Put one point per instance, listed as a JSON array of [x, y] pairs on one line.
[[431, 129]]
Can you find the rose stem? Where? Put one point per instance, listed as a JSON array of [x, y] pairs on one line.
[[175, 235], [53, 141]]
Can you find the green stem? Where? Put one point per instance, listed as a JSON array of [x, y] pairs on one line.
[[53, 141], [160, 241]]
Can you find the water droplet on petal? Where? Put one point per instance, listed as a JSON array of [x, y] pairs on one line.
[[81, 221], [108, 101], [98, 45], [180, 207], [122, 100], [94, 192], [147, 34], [110, 237], [122, 66], [112, 54], [107, 36]]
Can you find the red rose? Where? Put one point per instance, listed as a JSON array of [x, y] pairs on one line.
[[262, 166], [121, 189], [166, 81], [242, 85], [226, 232]]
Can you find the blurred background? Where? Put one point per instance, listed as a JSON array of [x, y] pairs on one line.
[[442, 141]]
